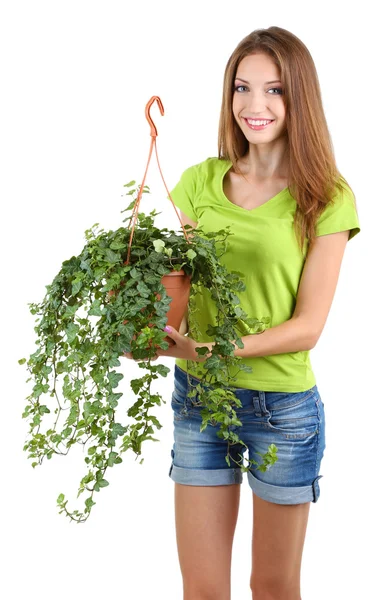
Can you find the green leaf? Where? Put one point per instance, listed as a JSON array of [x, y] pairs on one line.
[[201, 351], [238, 311], [112, 458], [72, 331], [114, 378], [76, 286], [239, 343], [89, 503], [117, 429], [113, 399], [103, 483], [212, 362], [21, 361], [152, 279], [111, 256], [136, 385], [135, 274], [191, 254], [143, 290], [60, 498], [118, 245], [159, 245], [70, 310], [95, 309], [162, 370]]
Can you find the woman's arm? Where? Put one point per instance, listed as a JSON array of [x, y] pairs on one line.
[[314, 299]]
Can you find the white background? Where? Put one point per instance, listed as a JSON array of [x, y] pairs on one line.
[[75, 80]]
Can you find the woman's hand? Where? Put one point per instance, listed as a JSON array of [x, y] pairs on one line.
[[184, 347]]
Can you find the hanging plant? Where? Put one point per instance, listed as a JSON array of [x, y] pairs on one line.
[[99, 306]]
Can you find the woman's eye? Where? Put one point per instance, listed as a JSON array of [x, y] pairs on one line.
[[238, 86], [280, 91]]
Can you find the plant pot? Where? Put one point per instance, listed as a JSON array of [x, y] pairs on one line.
[[177, 285]]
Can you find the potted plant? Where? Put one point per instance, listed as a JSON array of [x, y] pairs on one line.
[[99, 306]]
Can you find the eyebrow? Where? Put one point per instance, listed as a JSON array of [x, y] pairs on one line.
[[266, 83]]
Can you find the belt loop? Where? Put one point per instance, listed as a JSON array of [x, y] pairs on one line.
[[263, 407]]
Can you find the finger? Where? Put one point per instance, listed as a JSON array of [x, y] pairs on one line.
[[174, 334]]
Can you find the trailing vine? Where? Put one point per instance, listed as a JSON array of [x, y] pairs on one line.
[[98, 307]]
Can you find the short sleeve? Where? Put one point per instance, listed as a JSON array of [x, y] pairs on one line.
[[339, 215], [185, 191]]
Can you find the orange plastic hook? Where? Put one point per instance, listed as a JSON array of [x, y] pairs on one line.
[[153, 129]]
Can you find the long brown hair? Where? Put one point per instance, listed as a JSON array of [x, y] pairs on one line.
[[314, 179]]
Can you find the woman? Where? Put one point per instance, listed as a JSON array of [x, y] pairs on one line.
[[291, 213]]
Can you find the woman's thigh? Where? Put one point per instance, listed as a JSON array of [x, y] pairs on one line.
[[205, 518], [277, 547]]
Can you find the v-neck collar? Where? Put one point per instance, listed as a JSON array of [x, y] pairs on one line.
[[236, 206]]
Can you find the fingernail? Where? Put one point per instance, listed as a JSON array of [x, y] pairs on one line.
[[168, 329]]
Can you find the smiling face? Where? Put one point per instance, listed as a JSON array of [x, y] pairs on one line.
[[258, 95]]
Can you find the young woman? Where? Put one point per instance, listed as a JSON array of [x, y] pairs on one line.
[[275, 181]]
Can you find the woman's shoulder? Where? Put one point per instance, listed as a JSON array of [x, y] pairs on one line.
[[207, 168], [340, 212]]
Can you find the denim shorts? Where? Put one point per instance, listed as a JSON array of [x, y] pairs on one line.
[[293, 421]]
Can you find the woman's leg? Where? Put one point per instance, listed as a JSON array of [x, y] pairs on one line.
[[206, 519], [277, 545]]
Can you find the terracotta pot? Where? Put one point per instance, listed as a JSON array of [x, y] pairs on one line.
[[177, 285]]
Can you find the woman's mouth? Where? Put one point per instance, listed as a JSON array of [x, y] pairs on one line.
[[258, 124]]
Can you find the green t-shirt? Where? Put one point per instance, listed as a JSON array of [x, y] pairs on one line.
[[263, 247]]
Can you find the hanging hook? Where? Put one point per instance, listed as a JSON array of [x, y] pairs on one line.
[[153, 130]]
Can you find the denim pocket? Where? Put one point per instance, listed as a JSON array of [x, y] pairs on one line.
[[296, 415]]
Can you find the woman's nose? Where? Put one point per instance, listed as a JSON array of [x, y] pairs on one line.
[[257, 102]]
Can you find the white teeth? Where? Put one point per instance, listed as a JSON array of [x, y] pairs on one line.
[[257, 122]]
